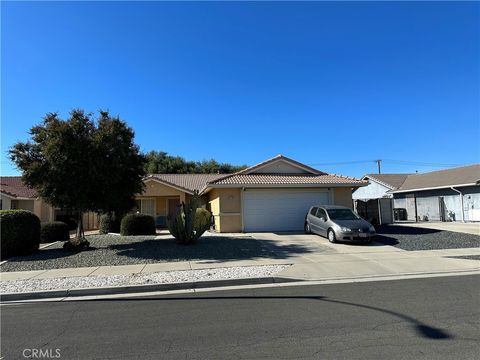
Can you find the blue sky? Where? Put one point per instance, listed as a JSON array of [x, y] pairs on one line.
[[323, 83]]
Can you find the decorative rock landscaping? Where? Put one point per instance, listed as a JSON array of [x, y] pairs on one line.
[[79, 282], [414, 238]]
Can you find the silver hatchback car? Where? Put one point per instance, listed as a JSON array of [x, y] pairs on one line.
[[338, 223]]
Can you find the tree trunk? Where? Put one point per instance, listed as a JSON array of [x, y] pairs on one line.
[[80, 232]]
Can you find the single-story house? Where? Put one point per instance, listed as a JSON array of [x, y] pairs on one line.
[[374, 202], [271, 196], [444, 195], [16, 195]]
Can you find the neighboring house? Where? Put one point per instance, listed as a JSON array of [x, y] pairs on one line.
[[16, 195], [373, 202], [271, 196], [444, 195]]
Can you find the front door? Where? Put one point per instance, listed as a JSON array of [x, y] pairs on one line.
[[173, 205]]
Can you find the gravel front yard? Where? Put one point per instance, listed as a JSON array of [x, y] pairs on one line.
[[118, 250], [414, 238], [240, 272]]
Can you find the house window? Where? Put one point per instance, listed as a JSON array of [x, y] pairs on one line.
[[146, 206]]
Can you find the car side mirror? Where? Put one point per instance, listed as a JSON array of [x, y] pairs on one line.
[[322, 218]]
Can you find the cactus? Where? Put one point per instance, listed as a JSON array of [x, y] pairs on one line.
[[189, 222]]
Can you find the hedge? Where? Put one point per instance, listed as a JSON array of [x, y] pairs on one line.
[[54, 231], [137, 224], [109, 223], [20, 232]]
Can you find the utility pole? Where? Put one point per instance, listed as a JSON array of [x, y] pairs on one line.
[[378, 164]]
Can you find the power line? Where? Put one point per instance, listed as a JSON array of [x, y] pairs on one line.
[[388, 161], [400, 162], [343, 162]]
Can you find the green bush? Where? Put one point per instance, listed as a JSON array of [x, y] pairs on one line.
[[54, 231], [20, 232], [203, 219], [137, 224], [109, 223], [104, 223]]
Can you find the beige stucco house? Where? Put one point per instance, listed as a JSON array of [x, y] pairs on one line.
[[271, 196], [16, 195]]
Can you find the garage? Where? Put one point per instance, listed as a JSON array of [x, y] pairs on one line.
[[279, 210]]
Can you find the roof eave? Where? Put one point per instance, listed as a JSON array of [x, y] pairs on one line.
[[220, 186], [430, 188], [14, 197], [167, 183], [378, 181]]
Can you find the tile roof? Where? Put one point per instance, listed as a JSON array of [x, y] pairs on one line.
[[280, 179], [443, 178], [393, 181], [15, 187], [187, 182]]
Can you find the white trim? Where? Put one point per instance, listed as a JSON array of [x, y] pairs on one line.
[[163, 182], [430, 188], [242, 190]]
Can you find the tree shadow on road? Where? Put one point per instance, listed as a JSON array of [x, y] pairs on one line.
[[422, 329]]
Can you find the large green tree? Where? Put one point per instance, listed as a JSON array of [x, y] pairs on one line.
[[160, 162], [82, 163]]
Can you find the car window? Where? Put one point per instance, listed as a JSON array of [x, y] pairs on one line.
[[342, 214], [313, 211], [321, 213]]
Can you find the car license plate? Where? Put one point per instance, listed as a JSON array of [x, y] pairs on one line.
[[362, 235]]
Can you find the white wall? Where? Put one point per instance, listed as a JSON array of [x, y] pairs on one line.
[[6, 203], [373, 190]]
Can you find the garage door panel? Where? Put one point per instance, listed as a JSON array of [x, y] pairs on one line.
[[279, 210]]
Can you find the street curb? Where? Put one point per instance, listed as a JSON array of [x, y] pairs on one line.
[[115, 290]]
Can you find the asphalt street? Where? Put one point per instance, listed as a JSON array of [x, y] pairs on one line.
[[431, 318]]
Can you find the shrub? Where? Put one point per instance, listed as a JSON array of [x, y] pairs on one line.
[[69, 220], [137, 224], [104, 223], [189, 222], [109, 223], [203, 218], [20, 232], [54, 231]]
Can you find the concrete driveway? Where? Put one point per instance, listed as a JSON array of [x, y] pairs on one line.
[[326, 261]]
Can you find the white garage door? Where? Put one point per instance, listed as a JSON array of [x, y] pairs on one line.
[[279, 210]]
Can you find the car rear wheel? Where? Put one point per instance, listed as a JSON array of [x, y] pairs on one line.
[[307, 228], [331, 236]]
